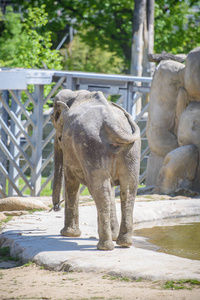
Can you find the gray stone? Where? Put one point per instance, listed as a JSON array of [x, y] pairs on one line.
[[167, 81], [178, 170], [173, 122], [191, 78], [16, 213], [2, 216], [21, 203], [154, 165], [189, 126]]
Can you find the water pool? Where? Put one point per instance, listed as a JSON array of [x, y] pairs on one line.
[[181, 238]]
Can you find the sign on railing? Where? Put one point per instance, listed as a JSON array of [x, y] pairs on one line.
[[26, 144]]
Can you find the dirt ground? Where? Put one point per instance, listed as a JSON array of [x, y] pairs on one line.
[[33, 282]]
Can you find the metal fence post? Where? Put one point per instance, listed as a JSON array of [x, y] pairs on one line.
[[71, 82], [36, 158], [13, 149], [4, 138]]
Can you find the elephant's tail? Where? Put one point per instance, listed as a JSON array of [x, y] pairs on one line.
[[119, 134]]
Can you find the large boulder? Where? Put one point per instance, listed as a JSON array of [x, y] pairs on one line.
[[154, 165], [21, 203], [192, 74], [160, 131], [178, 170], [174, 120], [189, 126], [167, 81], [189, 133]]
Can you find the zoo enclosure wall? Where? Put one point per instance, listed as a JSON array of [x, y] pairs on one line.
[[26, 144]]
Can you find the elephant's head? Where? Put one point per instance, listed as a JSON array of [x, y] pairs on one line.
[[62, 103]]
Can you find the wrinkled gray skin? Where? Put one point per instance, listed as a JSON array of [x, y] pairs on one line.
[[96, 144]]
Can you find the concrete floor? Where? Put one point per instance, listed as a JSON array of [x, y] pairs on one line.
[[36, 237]]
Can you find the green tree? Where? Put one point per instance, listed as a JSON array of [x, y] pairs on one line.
[[177, 26], [22, 44], [11, 26], [78, 56], [108, 24], [105, 24]]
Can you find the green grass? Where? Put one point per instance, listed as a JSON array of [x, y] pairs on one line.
[[47, 191], [5, 221], [31, 211], [109, 277], [28, 264], [5, 254], [141, 186], [182, 284]]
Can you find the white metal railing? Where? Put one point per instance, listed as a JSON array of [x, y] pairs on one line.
[[23, 143]]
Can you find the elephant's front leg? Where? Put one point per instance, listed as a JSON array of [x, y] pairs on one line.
[[127, 195], [71, 227], [102, 195]]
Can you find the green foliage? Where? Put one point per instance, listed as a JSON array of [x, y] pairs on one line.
[[176, 26], [21, 43], [9, 39], [104, 27], [81, 57], [104, 24], [107, 25]]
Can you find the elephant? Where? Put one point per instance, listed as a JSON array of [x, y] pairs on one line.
[[97, 144]]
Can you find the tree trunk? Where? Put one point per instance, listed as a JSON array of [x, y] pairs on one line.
[[137, 41], [142, 41], [149, 40], [137, 44]]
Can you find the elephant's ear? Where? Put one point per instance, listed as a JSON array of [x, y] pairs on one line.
[[57, 115], [63, 105], [60, 106]]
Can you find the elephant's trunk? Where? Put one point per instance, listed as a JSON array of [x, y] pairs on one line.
[[58, 173]]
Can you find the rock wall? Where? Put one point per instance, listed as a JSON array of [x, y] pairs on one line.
[[174, 122]]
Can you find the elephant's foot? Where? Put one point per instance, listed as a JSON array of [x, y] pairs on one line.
[[124, 240], [71, 232], [106, 245], [115, 234]]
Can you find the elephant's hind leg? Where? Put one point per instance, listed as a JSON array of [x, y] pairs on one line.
[[71, 227], [127, 195], [113, 217], [102, 195]]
